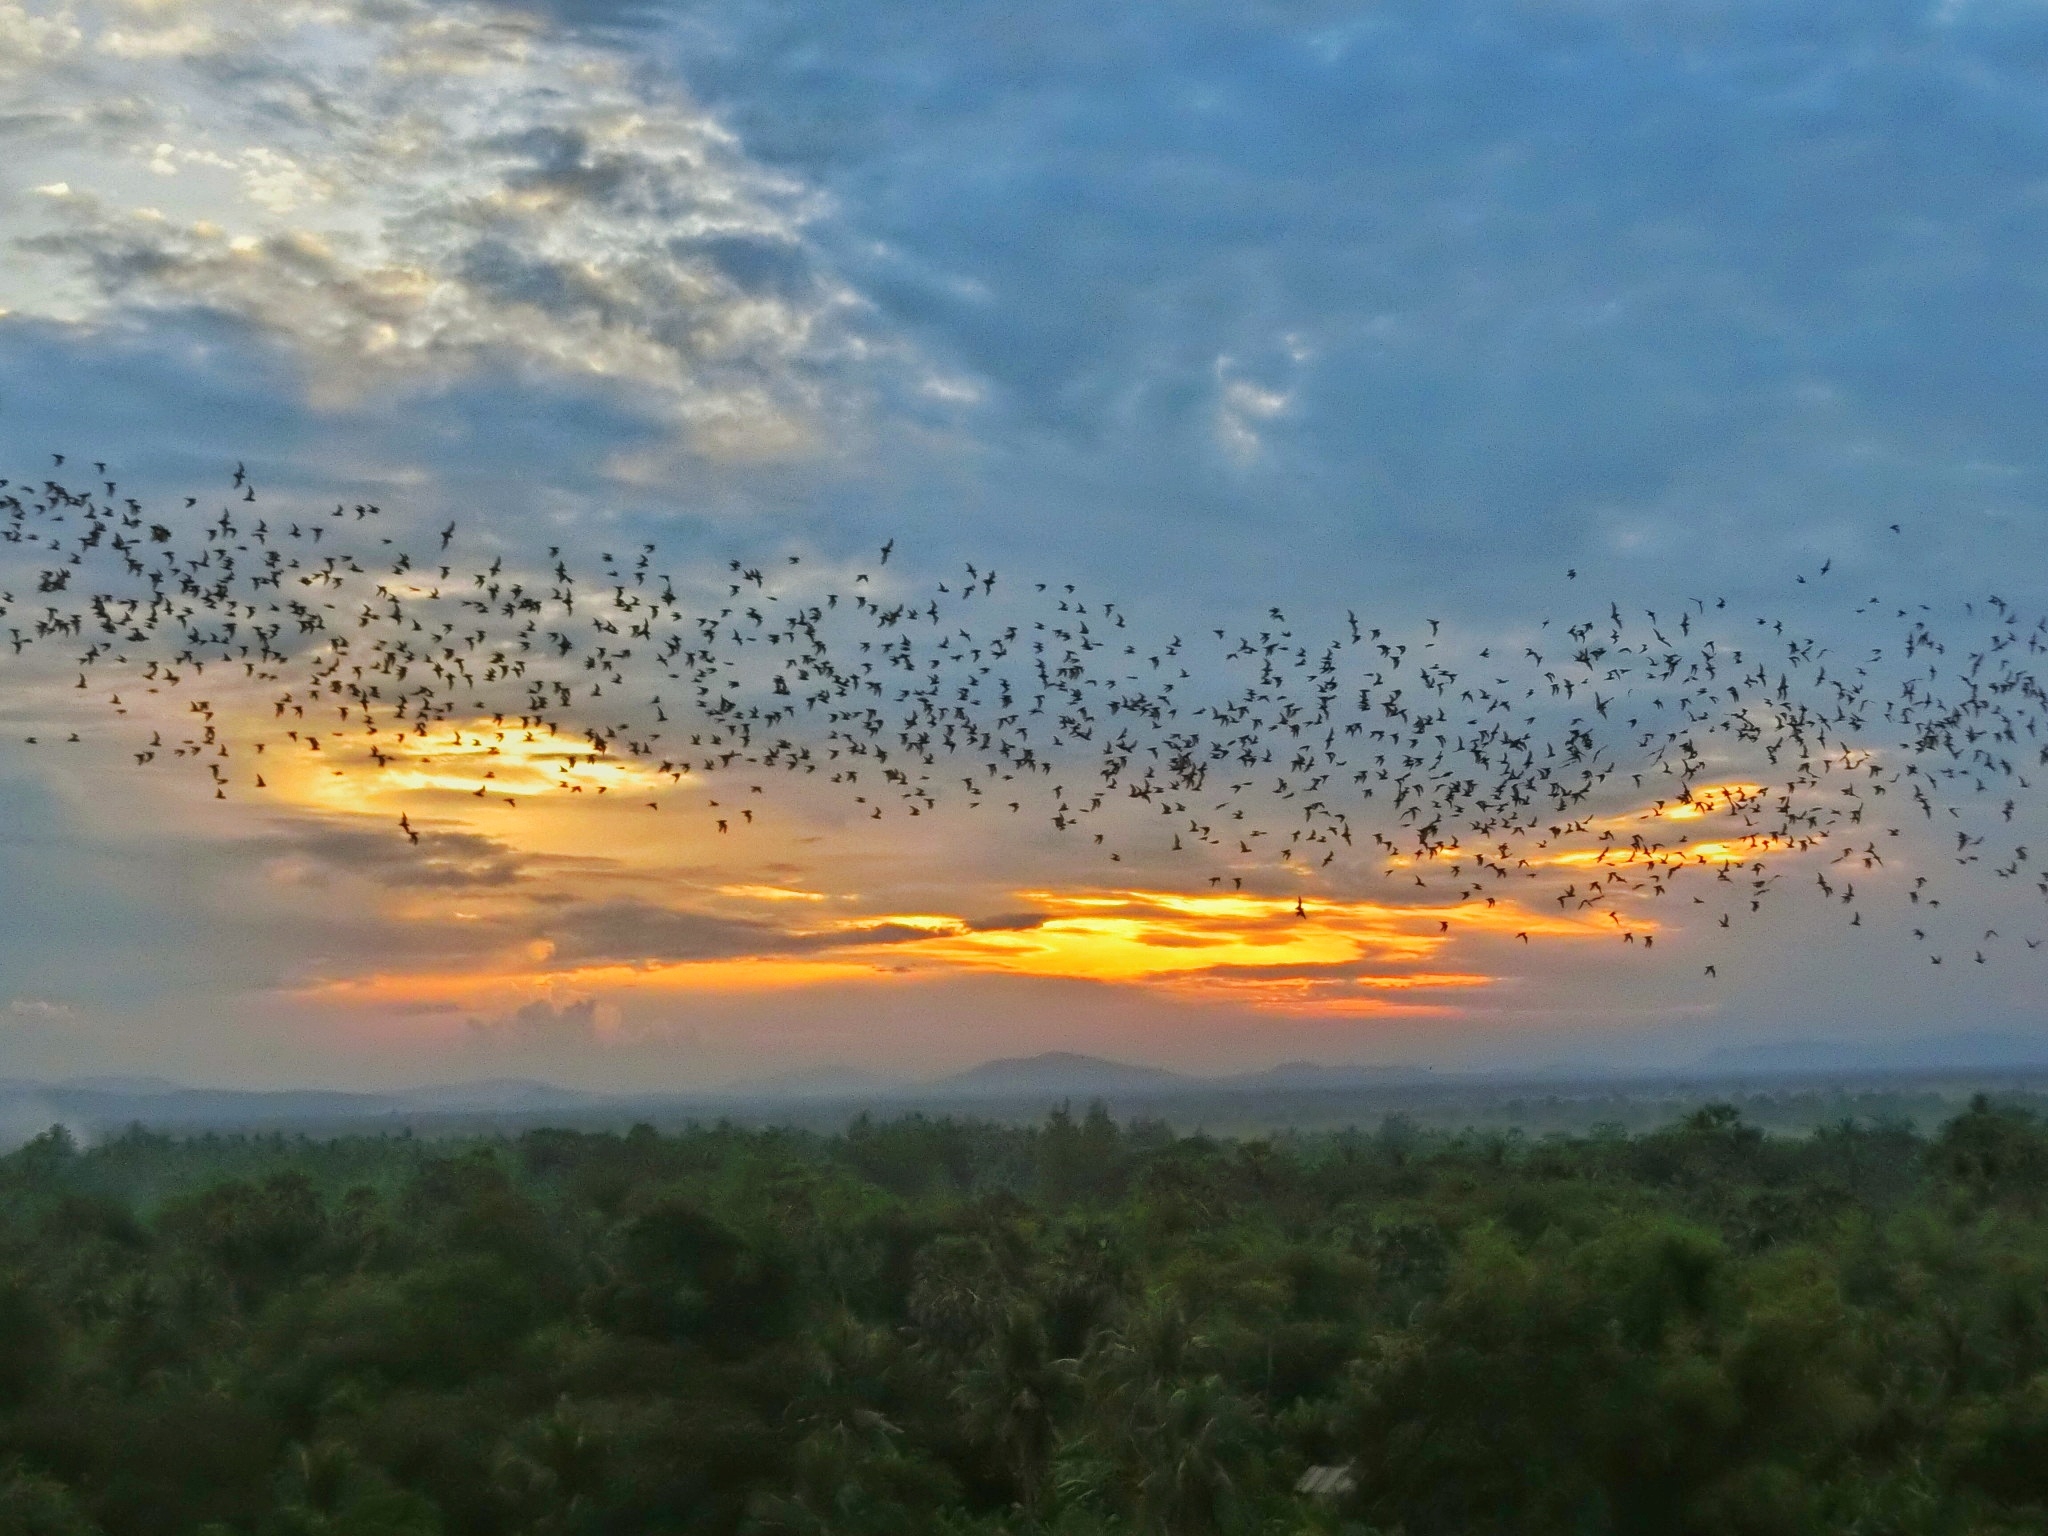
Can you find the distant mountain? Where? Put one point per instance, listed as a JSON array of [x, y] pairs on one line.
[[1064, 1073], [104, 1105], [128, 1085], [1316, 1076], [511, 1095], [1975, 1052], [813, 1083], [1073, 1075], [98, 1106]]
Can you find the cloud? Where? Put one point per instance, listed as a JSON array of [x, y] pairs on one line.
[[406, 193], [1349, 956], [1550, 269], [1007, 922], [443, 860], [638, 932], [30, 42], [543, 1021], [633, 932], [1459, 294], [40, 1010], [1242, 407]]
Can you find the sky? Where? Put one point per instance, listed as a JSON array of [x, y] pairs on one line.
[[1407, 309]]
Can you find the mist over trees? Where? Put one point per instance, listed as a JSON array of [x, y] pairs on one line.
[[1079, 1326]]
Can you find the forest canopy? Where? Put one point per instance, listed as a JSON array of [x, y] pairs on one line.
[[1078, 1326]]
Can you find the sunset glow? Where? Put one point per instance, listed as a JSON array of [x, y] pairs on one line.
[[1342, 958], [941, 537]]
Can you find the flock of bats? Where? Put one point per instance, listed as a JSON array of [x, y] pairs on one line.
[[1596, 761]]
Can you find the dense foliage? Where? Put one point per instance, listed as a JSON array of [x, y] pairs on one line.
[[1075, 1327]]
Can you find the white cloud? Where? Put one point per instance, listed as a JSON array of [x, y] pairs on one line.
[[41, 1009], [403, 190], [30, 41], [1241, 408]]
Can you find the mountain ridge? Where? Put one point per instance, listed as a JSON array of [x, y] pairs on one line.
[[104, 1104]]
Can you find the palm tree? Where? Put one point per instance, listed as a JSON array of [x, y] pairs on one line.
[[1196, 1436], [1011, 1392]]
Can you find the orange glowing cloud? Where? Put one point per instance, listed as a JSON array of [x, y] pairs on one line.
[[1337, 957], [1617, 842]]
